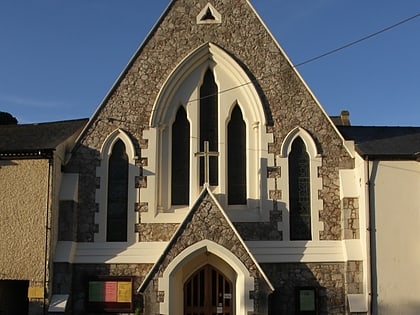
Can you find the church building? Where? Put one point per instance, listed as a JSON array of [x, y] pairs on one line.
[[210, 180]]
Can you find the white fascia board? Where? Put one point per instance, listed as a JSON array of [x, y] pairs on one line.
[[306, 252], [297, 251], [109, 253]]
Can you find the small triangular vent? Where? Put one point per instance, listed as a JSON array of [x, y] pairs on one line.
[[209, 15]]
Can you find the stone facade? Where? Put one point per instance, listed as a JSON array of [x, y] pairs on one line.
[[287, 101], [287, 104], [330, 280], [206, 222], [84, 272], [351, 218]]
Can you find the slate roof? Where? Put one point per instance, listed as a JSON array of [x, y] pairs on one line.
[[384, 142], [32, 139]]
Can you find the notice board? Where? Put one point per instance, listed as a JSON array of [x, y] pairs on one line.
[[110, 294]]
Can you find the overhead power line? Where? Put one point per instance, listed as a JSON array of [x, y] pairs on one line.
[[319, 56], [357, 41], [325, 54]]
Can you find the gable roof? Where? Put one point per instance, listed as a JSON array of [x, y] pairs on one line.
[[173, 37], [384, 142], [206, 233], [33, 139]]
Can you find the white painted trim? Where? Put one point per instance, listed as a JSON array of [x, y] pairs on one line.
[[348, 184], [102, 191], [58, 303], [170, 283], [262, 251], [317, 102], [69, 187], [310, 144], [65, 251], [358, 303], [182, 89], [109, 252], [315, 162], [306, 252]]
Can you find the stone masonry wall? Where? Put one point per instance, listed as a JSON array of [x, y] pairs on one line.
[[332, 280], [83, 272], [197, 229], [328, 278], [286, 100], [351, 227]]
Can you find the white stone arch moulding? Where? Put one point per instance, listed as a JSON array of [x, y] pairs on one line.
[[307, 139], [181, 88], [220, 61], [194, 257], [101, 192], [316, 182]]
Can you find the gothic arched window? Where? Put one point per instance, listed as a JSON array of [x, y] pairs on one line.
[[299, 192], [236, 158], [180, 159], [209, 125], [116, 223]]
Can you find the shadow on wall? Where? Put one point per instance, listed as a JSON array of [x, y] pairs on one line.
[[308, 289], [14, 297], [82, 301]]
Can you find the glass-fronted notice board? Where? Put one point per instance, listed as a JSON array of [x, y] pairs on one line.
[[110, 294]]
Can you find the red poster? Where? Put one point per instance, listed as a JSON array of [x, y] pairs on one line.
[[111, 291]]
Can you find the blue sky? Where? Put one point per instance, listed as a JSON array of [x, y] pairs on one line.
[[59, 58]]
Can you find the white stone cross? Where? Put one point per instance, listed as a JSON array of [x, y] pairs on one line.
[[206, 154]]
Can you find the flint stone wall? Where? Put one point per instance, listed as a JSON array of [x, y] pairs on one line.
[[332, 280], [287, 102], [83, 272]]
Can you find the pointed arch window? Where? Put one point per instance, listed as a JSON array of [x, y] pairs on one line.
[[299, 192], [116, 223], [180, 159], [211, 117], [209, 124], [236, 158]]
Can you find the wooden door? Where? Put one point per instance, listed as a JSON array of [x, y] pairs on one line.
[[208, 292]]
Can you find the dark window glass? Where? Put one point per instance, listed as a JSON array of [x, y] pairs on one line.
[[117, 194], [299, 191], [236, 158], [208, 124], [180, 158]]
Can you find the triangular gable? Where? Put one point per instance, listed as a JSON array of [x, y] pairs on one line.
[[195, 37], [206, 221]]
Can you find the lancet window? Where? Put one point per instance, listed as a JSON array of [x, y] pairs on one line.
[[116, 230], [180, 159], [299, 192], [197, 105]]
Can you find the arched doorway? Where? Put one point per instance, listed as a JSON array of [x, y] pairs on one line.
[[208, 292]]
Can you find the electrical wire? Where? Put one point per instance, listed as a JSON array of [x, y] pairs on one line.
[[322, 55], [357, 41], [319, 56]]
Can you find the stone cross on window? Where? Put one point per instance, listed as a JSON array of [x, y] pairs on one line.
[[206, 154]]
